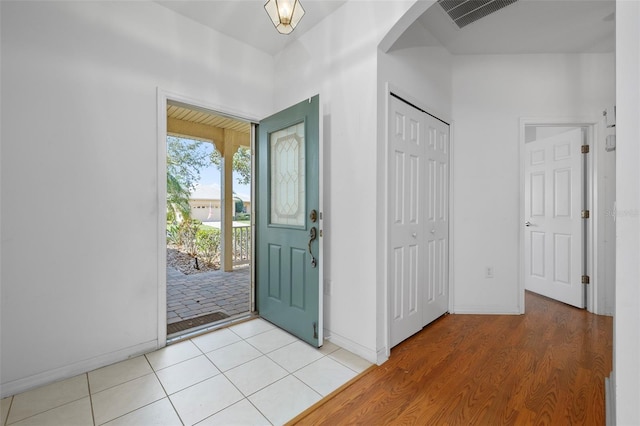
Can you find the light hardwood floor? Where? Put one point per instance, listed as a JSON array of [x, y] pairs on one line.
[[546, 367]]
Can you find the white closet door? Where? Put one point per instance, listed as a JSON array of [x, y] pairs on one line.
[[418, 213]]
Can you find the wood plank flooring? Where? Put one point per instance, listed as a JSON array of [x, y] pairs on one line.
[[546, 367]]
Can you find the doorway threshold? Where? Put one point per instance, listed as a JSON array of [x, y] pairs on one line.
[[211, 326], [188, 324]]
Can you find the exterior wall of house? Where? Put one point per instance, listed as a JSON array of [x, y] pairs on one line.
[[490, 95], [206, 210], [626, 352], [79, 113], [209, 210]]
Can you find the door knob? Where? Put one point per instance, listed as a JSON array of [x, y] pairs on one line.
[[527, 223]]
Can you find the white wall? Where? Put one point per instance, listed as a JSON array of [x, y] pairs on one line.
[[79, 130], [337, 59], [627, 312], [417, 65], [490, 95], [421, 73]]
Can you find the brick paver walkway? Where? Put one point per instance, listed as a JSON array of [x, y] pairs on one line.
[[189, 296]]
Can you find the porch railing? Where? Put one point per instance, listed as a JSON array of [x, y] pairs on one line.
[[241, 245]]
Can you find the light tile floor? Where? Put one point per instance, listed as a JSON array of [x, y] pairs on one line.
[[251, 373]]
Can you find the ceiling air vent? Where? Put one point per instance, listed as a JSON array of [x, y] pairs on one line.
[[465, 12]]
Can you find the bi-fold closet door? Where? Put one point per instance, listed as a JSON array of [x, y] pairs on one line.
[[418, 255]]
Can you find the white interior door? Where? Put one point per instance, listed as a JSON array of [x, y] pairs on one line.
[[436, 296], [418, 212], [553, 233]]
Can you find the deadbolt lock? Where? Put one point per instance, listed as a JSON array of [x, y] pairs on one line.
[[313, 216]]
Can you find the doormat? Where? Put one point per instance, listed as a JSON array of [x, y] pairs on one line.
[[195, 322]]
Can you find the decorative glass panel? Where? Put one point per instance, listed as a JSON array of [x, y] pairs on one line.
[[288, 176]]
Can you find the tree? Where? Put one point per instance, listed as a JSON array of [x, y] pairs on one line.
[[241, 164], [184, 161], [177, 200]]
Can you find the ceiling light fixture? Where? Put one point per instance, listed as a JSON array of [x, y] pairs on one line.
[[285, 14]]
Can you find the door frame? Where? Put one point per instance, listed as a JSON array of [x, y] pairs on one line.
[[593, 130], [163, 97], [383, 209]]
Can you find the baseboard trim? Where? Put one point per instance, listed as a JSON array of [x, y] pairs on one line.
[[382, 356], [353, 347], [486, 310], [46, 377], [609, 409]]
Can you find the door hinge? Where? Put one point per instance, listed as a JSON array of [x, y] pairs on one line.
[[585, 214], [315, 330], [584, 149], [585, 279]]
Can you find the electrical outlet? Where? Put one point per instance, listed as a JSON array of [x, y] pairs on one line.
[[488, 272]]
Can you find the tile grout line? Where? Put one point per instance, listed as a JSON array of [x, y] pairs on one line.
[[289, 374], [126, 381], [245, 397], [42, 412], [93, 414], [258, 410], [145, 405], [164, 389], [227, 378], [6, 421], [222, 373]]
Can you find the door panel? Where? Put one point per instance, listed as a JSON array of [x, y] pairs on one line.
[[418, 190], [287, 257], [407, 238], [537, 254], [553, 229], [437, 224]]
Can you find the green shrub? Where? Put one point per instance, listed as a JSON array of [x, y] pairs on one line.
[[183, 234], [243, 216], [173, 234], [208, 244]]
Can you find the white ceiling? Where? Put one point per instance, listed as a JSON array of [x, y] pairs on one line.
[[247, 21], [527, 26]]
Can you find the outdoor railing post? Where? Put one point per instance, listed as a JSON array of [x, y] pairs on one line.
[[241, 245]]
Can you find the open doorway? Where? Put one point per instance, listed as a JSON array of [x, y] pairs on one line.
[[556, 206], [208, 219], [565, 211], [306, 294]]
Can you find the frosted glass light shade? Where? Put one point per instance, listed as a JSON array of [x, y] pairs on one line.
[[285, 14]]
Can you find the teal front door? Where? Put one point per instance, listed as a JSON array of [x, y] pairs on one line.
[[287, 223]]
